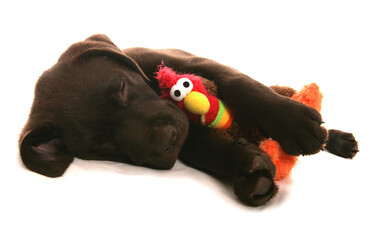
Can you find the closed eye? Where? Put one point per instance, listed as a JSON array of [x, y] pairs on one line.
[[123, 91]]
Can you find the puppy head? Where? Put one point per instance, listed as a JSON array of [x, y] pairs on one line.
[[96, 103]]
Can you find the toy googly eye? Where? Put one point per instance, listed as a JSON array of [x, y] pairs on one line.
[[177, 93], [186, 84]]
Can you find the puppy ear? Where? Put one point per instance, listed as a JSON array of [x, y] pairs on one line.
[[113, 54], [99, 45], [100, 38], [42, 151]]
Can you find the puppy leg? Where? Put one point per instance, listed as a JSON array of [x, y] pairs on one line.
[[294, 125], [342, 144], [248, 167]]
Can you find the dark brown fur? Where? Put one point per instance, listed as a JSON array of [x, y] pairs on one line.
[[241, 128], [98, 102]]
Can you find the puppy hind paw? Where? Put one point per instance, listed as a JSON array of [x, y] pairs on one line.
[[255, 189], [254, 174], [342, 144], [254, 184]]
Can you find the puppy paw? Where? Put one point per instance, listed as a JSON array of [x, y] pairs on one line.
[[342, 144], [296, 126], [255, 189], [254, 176]]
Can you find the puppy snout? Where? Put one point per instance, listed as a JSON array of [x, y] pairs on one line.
[[163, 139]]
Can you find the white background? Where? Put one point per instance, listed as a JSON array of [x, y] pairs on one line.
[[276, 42]]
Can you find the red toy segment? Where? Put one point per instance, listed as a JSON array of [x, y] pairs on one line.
[[213, 110]]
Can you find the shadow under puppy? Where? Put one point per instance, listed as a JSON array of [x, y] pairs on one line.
[[100, 102]]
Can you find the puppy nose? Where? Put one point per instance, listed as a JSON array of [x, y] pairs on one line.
[[163, 138]]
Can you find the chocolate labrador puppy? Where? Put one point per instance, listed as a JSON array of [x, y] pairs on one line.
[[99, 102]]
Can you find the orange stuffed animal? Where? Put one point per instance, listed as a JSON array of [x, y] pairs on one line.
[[197, 97]]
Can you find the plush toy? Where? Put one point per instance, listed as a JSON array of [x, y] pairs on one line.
[[197, 97]]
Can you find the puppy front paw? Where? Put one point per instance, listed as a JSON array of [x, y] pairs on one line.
[[296, 126]]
